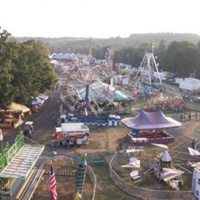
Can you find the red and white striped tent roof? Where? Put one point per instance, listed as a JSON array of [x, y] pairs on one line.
[[150, 121]]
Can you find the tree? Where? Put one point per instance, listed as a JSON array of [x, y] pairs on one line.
[[33, 69], [25, 70], [5, 68], [182, 58], [160, 53]]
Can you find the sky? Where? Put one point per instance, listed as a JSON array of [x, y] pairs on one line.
[[98, 18]]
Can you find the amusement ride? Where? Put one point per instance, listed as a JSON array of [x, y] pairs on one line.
[[148, 72]]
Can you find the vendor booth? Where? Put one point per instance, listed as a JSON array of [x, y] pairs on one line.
[[9, 117]]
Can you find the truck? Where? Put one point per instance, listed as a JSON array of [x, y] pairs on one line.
[[71, 134]]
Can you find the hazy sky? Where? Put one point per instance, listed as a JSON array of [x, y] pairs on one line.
[[98, 18]]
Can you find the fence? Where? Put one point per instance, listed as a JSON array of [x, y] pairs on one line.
[[76, 160], [92, 175], [9, 153], [144, 193]]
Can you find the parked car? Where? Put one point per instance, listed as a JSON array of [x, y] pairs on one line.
[[42, 96]]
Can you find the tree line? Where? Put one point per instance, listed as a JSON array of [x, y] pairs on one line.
[[26, 70], [180, 57], [177, 53]]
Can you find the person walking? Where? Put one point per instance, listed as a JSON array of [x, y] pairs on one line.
[[193, 143], [196, 116], [181, 117], [13, 124], [190, 116], [54, 114]]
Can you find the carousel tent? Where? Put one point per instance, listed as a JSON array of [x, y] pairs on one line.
[[150, 120]]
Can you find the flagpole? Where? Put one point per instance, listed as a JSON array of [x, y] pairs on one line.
[[51, 163], [52, 179]]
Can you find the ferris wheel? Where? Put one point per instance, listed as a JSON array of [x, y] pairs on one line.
[[87, 93]]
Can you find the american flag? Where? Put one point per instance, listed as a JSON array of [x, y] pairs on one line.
[[52, 180]]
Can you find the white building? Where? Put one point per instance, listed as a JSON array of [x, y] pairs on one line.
[[189, 84], [196, 183], [122, 80]]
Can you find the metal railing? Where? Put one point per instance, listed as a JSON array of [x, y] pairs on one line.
[[9, 152], [93, 177]]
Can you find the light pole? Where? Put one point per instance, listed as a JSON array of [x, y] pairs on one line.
[[1, 141]]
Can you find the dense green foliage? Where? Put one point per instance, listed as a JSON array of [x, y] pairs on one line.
[[183, 58], [25, 70]]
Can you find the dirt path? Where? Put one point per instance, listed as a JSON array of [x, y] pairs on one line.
[[43, 122]]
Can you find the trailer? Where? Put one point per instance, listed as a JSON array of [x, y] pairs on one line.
[[189, 84], [71, 134]]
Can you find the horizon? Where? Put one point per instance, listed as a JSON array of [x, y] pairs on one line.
[[104, 38]]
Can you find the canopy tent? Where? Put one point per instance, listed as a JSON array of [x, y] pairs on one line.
[[15, 107], [150, 121], [99, 90]]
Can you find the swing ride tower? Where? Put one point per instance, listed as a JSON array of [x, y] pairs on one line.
[[148, 73]]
